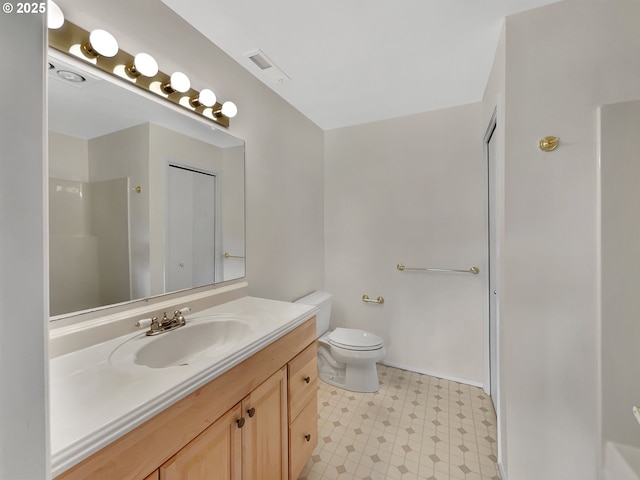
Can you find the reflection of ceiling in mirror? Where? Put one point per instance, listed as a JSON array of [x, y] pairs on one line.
[[97, 107]]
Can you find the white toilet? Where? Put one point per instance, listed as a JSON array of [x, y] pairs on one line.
[[346, 357]]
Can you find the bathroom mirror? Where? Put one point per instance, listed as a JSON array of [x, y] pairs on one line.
[[144, 199]]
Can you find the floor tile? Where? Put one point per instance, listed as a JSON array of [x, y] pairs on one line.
[[415, 427]]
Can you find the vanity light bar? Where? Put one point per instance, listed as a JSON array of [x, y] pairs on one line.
[[74, 40]]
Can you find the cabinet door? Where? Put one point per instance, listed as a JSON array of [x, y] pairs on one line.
[[264, 436], [303, 438], [213, 455], [153, 476]]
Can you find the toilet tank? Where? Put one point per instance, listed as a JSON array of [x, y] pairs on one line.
[[322, 300]]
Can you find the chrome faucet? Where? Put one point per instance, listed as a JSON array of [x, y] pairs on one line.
[[166, 324]]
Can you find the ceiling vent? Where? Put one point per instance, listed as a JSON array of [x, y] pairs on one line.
[[269, 68]]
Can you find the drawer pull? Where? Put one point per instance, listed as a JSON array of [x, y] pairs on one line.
[[251, 412], [307, 379], [307, 437], [240, 422]]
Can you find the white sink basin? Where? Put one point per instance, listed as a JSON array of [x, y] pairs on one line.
[[200, 339]]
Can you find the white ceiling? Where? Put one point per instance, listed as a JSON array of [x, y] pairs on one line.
[[357, 61]]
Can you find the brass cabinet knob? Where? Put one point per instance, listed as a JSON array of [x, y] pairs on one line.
[[240, 422], [307, 379], [307, 437], [251, 412]]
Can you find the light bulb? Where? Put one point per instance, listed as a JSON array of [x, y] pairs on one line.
[[229, 109], [101, 43], [143, 64], [179, 82], [55, 17], [205, 98]]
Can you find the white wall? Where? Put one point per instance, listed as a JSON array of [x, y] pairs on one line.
[[562, 61], [68, 157], [24, 449], [410, 190], [620, 177]]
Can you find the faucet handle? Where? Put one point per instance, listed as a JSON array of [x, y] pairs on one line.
[[144, 322], [153, 323], [179, 317]]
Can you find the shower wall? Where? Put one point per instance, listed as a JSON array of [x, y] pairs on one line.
[[88, 244], [88, 223], [620, 247]]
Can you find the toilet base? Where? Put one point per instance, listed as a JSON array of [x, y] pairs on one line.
[[355, 378], [355, 371]]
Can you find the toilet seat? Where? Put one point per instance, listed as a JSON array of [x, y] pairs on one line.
[[354, 339]]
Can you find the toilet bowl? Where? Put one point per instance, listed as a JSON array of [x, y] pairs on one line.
[[346, 356]]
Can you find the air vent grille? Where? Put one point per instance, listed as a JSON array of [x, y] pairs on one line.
[[260, 61], [266, 65]]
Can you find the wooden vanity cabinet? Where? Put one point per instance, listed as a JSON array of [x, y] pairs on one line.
[[201, 436], [248, 442]]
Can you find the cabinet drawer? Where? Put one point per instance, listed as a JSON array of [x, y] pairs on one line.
[[303, 438], [303, 379]]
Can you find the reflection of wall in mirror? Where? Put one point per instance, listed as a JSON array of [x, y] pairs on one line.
[[233, 213], [125, 153], [115, 269], [89, 237]]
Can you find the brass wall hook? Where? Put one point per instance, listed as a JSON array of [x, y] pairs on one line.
[[549, 144]]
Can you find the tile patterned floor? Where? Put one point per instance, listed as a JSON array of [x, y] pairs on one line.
[[416, 427]]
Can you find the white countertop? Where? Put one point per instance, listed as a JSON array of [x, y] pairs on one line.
[[94, 401]]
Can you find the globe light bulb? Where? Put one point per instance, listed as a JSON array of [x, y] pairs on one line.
[[207, 98], [145, 65], [55, 17], [229, 109], [101, 43], [179, 82]]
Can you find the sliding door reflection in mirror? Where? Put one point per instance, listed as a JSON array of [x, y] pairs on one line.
[[191, 228]]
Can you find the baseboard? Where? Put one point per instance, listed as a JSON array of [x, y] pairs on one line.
[[433, 374], [503, 476]]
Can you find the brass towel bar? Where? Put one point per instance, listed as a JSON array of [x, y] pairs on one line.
[[365, 298], [474, 270]]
